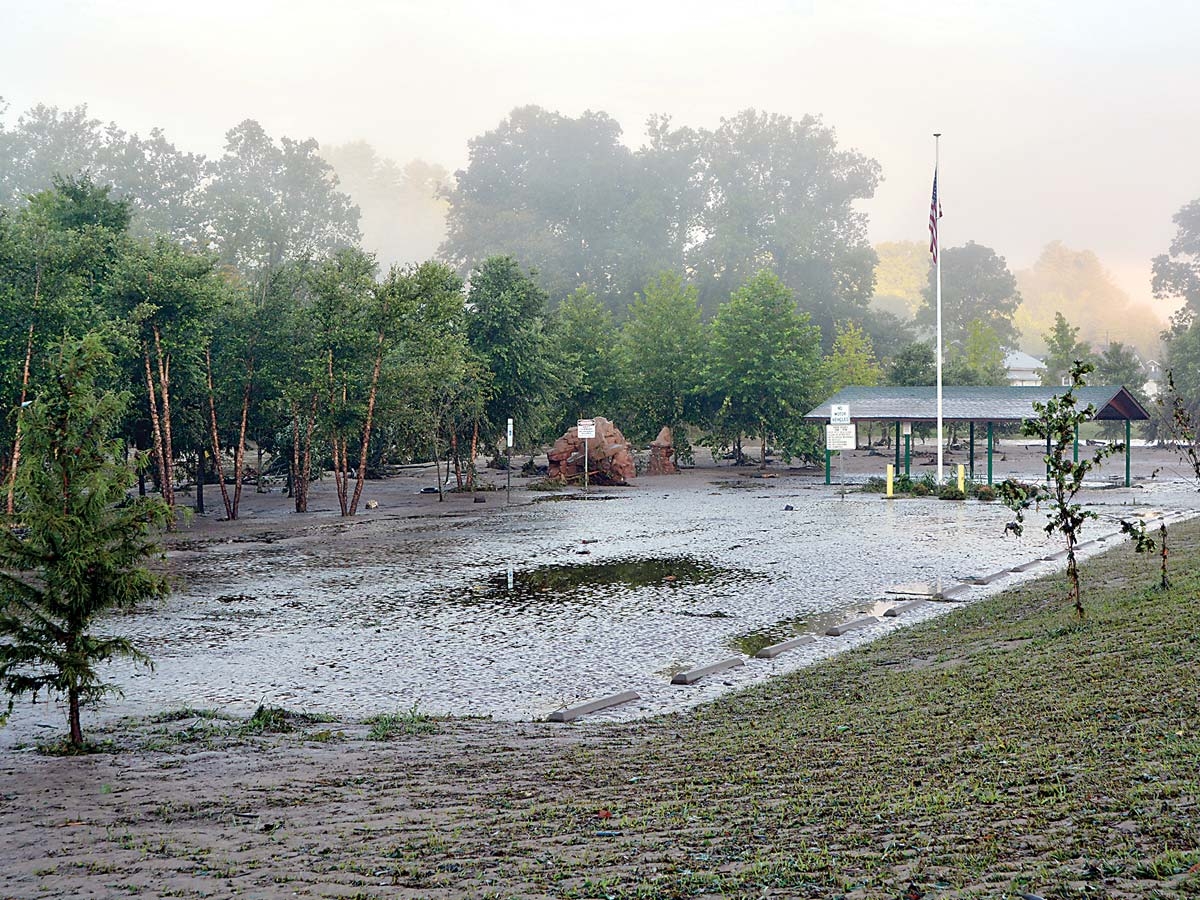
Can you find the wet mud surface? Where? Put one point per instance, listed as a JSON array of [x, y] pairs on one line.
[[512, 612]]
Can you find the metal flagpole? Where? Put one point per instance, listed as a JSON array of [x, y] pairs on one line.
[[938, 266]]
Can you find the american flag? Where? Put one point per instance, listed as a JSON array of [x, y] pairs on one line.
[[935, 213]]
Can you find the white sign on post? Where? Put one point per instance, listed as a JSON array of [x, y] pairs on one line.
[[839, 414], [510, 434], [587, 428], [840, 437]]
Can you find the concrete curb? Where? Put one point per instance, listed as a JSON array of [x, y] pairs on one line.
[[1026, 566], [693, 675], [853, 625], [904, 607], [776, 649], [953, 592], [574, 712], [987, 579]]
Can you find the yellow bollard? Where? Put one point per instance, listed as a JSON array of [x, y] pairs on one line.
[[962, 479], [891, 472]]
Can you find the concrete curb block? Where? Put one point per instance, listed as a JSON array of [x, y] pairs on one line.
[[839, 630], [914, 589], [987, 579], [904, 607], [953, 592], [693, 675], [574, 712], [775, 649], [1026, 566]]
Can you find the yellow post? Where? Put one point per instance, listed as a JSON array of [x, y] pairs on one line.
[[962, 484], [891, 472]]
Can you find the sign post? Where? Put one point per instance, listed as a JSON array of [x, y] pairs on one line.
[[586, 429], [508, 466], [841, 436]]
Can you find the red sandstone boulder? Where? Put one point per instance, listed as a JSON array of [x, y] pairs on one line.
[[609, 458], [662, 452]]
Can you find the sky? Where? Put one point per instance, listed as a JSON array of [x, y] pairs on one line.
[[1072, 121]]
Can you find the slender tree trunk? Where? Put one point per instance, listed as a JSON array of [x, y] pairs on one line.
[[164, 381], [366, 437], [155, 430], [454, 454], [239, 455], [1162, 542], [301, 502], [1073, 575], [230, 510], [73, 715], [16, 453], [306, 459], [437, 469], [762, 450]]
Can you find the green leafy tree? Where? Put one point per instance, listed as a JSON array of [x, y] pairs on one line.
[[505, 328], [1057, 420], [1063, 349], [979, 360], [661, 353], [77, 548], [900, 275], [913, 366], [976, 285], [1177, 272], [583, 346], [852, 361], [764, 363]]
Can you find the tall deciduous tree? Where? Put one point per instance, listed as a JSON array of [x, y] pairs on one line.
[[979, 360], [852, 360], [1063, 350], [913, 365], [505, 327], [764, 362], [976, 285], [583, 342], [1177, 272], [83, 545], [661, 349]]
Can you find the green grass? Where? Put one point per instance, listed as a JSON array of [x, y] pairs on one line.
[[412, 721]]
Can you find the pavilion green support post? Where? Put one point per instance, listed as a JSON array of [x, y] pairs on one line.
[[990, 444], [907, 452], [897, 446], [1128, 451], [1047, 456], [828, 464], [971, 467], [1076, 456]]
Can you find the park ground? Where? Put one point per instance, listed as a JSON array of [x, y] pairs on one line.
[[1002, 749]]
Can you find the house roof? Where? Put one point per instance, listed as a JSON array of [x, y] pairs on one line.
[[1019, 359], [977, 404]]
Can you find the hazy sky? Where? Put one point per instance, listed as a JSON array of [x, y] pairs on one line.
[[1069, 120]]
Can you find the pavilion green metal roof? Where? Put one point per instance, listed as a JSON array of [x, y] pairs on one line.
[[973, 404]]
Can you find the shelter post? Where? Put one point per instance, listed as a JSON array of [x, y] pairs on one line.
[[1075, 458], [897, 445], [1047, 455], [907, 452], [828, 463], [1128, 451], [971, 443], [990, 444]]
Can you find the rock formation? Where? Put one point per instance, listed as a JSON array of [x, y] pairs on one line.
[[609, 459], [662, 453]]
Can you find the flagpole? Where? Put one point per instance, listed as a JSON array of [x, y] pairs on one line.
[[938, 266]]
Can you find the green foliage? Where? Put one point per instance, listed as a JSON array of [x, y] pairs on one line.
[[852, 361], [976, 286], [913, 366], [505, 329], [409, 722], [1063, 350], [950, 492], [583, 350], [979, 360], [764, 363], [661, 351], [900, 274], [1057, 419], [1177, 272], [77, 548]]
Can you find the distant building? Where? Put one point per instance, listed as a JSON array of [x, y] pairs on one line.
[[1154, 378], [1023, 370]]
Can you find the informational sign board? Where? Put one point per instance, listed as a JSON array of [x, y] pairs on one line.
[[840, 437], [839, 414], [587, 428], [510, 434], [906, 427]]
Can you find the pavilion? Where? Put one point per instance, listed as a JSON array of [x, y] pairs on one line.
[[974, 405]]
